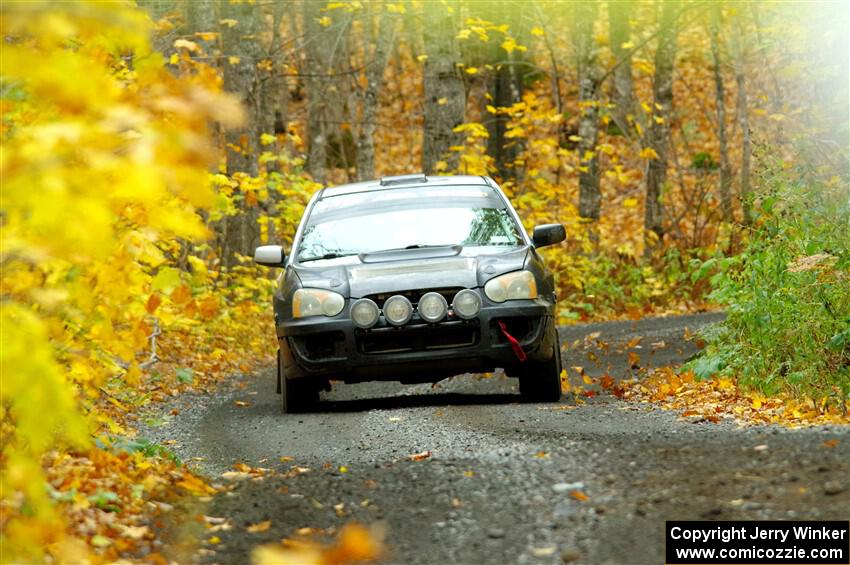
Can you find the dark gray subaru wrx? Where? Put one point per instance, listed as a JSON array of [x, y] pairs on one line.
[[413, 279]]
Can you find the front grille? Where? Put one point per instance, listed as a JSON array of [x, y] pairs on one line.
[[415, 295], [419, 337]]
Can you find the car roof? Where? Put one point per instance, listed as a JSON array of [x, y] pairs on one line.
[[405, 181]]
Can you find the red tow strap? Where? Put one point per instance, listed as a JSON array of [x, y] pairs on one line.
[[520, 354]]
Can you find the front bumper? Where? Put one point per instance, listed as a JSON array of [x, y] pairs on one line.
[[331, 348]]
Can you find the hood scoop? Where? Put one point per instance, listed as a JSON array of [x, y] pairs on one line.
[[411, 253]]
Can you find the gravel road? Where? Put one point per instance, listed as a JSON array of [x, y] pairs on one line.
[[505, 482]]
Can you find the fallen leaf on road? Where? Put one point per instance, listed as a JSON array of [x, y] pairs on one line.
[[541, 455], [241, 403], [355, 543], [457, 503], [634, 342], [419, 456], [543, 551], [634, 360], [259, 527], [830, 443], [340, 509], [578, 495], [135, 532]]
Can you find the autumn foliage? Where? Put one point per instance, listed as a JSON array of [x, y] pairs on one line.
[[134, 188], [104, 173]]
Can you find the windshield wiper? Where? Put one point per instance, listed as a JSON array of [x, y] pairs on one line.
[[333, 255], [421, 246]]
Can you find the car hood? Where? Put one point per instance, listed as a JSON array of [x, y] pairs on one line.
[[414, 269]]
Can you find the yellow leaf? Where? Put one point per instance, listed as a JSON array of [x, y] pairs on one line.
[[259, 527], [324, 21], [509, 45], [422, 58], [443, 101], [471, 70], [648, 153], [627, 45], [233, 60], [538, 31], [187, 45], [630, 203]]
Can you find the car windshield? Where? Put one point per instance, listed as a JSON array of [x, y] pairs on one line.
[[366, 222]]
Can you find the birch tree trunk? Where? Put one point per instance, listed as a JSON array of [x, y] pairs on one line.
[[588, 127], [505, 84], [720, 98], [743, 111], [315, 70], [382, 36], [445, 96], [242, 51], [622, 91], [658, 133]]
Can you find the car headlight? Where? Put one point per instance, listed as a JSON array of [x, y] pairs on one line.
[[364, 313], [316, 302], [466, 304], [511, 286], [398, 310], [432, 307]]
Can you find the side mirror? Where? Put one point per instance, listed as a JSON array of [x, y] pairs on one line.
[[548, 234], [270, 255]]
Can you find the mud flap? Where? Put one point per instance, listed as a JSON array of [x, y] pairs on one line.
[[278, 372]]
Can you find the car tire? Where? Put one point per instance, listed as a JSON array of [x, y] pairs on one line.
[[296, 395], [540, 381]]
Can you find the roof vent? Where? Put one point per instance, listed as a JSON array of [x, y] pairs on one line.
[[404, 179]]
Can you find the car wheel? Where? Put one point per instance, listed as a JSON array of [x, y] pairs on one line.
[[296, 395], [540, 381]]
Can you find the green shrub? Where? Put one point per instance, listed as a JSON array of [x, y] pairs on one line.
[[788, 294]]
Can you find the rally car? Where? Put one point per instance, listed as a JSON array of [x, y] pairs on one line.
[[414, 279]]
